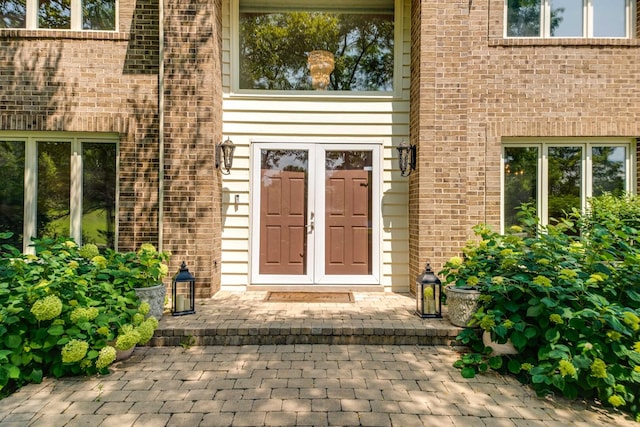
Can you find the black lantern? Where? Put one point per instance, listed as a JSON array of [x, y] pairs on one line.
[[428, 294], [406, 158], [225, 150], [183, 292]]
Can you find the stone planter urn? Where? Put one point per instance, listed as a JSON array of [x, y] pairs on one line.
[[462, 303], [154, 295]]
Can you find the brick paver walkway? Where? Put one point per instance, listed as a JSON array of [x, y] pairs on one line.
[[287, 385]]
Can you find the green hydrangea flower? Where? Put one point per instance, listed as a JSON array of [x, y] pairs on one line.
[[74, 351], [138, 318], [542, 281], [145, 331], [515, 229], [99, 261], [454, 262], [599, 369], [144, 308], [616, 400], [497, 280], [632, 320], [84, 314], [636, 346], [106, 357], [164, 269], [526, 367], [70, 244], [473, 281], [614, 335], [567, 368], [147, 247], [128, 338], [89, 251], [556, 318], [47, 308], [487, 323], [103, 330]]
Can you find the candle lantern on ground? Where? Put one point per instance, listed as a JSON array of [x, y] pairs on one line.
[[183, 292], [428, 294]]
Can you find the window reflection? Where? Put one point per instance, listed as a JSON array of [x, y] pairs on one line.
[[609, 18], [54, 187], [12, 191], [54, 14], [520, 180], [566, 18], [274, 48], [565, 180], [608, 169], [13, 13], [99, 194], [99, 14]]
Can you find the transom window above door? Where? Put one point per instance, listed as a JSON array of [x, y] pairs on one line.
[[569, 18], [316, 46]]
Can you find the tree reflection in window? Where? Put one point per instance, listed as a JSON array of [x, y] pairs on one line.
[[565, 181], [54, 14], [54, 186], [608, 170], [274, 49], [520, 180], [99, 194], [12, 191], [13, 13]]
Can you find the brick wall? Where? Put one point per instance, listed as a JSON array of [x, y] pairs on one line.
[[94, 82], [192, 123], [471, 88]]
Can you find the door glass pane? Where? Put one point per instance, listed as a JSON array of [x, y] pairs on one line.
[[99, 194], [99, 14], [609, 170], [520, 180], [523, 18], [283, 211], [275, 48], [609, 18], [54, 14], [565, 180], [12, 191], [53, 188], [348, 233], [567, 18], [13, 13]]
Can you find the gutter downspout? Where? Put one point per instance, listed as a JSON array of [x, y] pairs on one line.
[[161, 125]]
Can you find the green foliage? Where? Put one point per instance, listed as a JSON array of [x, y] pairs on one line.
[[63, 309], [567, 298]]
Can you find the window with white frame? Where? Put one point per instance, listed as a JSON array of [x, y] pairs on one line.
[[98, 15], [558, 175], [316, 45], [569, 18], [58, 186]]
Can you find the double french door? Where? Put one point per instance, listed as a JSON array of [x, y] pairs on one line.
[[316, 214]]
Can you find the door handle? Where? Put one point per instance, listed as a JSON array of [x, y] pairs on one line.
[[311, 223]]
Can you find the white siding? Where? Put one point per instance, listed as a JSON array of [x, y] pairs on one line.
[[283, 118]]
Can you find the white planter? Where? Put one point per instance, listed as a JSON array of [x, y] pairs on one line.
[[462, 303], [155, 297], [498, 349]]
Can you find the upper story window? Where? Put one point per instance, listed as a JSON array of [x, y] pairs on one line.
[[569, 18], [316, 45], [59, 14]]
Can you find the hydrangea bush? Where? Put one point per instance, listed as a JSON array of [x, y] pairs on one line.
[[66, 310], [568, 298]]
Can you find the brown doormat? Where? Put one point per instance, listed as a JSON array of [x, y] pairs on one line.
[[309, 297]]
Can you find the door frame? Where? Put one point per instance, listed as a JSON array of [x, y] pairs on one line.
[[316, 202]]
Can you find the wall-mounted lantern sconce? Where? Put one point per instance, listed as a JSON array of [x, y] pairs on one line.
[[407, 158], [225, 151]]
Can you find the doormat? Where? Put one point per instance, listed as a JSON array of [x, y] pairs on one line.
[[309, 297]]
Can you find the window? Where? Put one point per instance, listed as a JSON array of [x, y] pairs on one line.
[[355, 42], [59, 14], [58, 187], [557, 176], [568, 18]]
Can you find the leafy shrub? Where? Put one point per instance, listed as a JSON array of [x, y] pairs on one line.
[[63, 310], [567, 298]]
